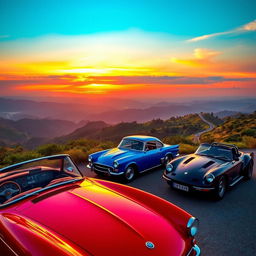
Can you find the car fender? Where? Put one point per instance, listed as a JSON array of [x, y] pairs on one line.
[[130, 163], [175, 215], [26, 237], [246, 158], [220, 171]]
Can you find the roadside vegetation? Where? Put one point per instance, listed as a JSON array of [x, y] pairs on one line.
[[212, 118], [79, 149], [239, 130]]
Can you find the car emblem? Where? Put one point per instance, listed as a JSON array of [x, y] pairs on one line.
[[150, 245], [185, 172]]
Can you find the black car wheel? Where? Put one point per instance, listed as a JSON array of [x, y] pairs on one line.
[[129, 174], [249, 170], [220, 188]]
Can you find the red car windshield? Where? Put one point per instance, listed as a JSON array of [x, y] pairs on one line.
[[30, 177]]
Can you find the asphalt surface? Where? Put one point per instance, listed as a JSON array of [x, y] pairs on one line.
[[227, 227]]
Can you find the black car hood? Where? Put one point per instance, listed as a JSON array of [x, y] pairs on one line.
[[192, 168]]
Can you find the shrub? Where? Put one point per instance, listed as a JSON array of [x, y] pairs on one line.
[[187, 149], [77, 155], [250, 142], [13, 158], [50, 149]]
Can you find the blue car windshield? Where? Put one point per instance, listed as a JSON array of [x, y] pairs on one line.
[[215, 152], [131, 144]]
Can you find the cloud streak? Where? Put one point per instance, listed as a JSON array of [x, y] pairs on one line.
[[66, 80], [251, 26]]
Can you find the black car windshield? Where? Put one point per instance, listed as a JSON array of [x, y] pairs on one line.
[[27, 178], [131, 144], [215, 152]]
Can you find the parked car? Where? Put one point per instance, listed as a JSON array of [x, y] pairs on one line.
[[134, 154], [212, 168], [48, 208]]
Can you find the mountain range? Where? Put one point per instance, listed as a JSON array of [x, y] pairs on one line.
[[113, 111]]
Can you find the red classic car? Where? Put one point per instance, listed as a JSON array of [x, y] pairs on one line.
[[47, 208]]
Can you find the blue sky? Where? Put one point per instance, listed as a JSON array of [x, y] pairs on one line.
[[30, 18]]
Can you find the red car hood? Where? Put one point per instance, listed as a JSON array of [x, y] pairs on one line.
[[100, 220]]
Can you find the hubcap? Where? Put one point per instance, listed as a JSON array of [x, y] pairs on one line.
[[129, 174]]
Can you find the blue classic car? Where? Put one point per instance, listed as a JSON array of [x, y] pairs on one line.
[[134, 154]]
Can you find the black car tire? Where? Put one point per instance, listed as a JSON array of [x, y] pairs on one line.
[[220, 188], [129, 174], [248, 171]]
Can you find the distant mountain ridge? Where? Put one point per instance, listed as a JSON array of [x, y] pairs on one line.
[[117, 110], [98, 130], [21, 131]]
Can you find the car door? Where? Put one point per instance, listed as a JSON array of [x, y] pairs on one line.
[[153, 153], [235, 167]]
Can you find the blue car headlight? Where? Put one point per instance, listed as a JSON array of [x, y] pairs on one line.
[[210, 178], [169, 167], [115, 164], [192, 226]]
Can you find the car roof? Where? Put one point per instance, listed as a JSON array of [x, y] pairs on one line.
[[143, 138]]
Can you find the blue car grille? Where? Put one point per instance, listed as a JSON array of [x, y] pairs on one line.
[[102, 168]]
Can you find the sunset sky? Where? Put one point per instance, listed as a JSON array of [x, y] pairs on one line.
[[128, 49]]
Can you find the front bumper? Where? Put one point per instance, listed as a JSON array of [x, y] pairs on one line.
[[191, 187], [104, 169]]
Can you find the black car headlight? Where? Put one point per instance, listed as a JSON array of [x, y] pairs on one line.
[[210, 178], [169, 168], [115, 164], [192, 226]]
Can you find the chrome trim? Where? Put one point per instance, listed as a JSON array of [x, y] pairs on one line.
[[116, 173], [8, 247], [196, 249], [151, 168], [40, 190], [107, 171], [166, 178], [202, 188], [108, 166], [236, 181]]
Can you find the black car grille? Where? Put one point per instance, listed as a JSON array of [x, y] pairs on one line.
[[102, 168]]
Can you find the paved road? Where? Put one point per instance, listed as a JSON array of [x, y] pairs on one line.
[[211, 127], [227, 227]]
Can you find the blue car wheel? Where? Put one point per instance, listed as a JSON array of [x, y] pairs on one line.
[[129, 173]]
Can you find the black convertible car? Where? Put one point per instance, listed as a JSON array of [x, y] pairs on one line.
[[212, 168]]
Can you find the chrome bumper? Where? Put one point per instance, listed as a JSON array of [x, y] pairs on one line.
[[205, 189], [107, 172]]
